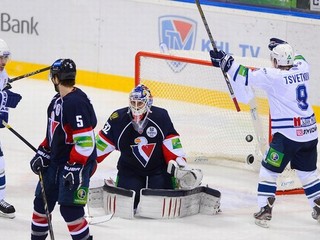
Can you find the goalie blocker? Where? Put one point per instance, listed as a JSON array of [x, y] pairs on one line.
[[155, 203]]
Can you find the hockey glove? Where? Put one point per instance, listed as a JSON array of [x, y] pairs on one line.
[[187, 178], [9, 99], [275, 42], [221, 59], [72, 175], [41, 160]]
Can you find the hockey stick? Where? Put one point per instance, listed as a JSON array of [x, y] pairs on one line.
[[29, 74], [215, 49], [4, 123], [94, 220], [44, 198]]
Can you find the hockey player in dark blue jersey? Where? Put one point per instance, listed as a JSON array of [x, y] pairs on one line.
[[67, 156], [151, 154]]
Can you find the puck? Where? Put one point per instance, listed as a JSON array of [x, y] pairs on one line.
[[250, 159], [249, 138]]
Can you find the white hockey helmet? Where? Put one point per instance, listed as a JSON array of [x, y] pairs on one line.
[[283, 54], [4, 49]]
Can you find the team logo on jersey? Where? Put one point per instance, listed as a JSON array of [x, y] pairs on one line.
[[151, 132], [142, 150], [178, 33], [114, 115], [274, 157], [52, 125]]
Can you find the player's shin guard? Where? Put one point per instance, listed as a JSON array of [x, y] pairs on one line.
[[77, 224], [267, 186], [39, 226], [311, 185]]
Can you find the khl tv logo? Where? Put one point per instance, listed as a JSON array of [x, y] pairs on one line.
[[177, 33]]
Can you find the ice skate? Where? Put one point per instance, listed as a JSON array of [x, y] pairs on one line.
[[263, 217], [6, 209], [316, 210]]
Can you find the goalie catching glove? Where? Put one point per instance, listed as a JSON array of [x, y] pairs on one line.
[[186, 178]]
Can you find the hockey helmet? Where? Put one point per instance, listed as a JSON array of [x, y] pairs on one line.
[[140, 100], [65, 69], [282, 55], [4, 49]]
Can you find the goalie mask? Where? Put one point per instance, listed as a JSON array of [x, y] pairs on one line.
[[282, 55], [140, 102]]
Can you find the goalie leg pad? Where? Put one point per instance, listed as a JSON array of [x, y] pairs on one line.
[[95, 212], [168, 204], [210, 201], [118, 201], [95, 197]]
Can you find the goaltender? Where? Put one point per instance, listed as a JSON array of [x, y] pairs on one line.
[[151, 153]]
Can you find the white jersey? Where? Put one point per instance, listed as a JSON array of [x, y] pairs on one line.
[[3, 79], [291, 113]]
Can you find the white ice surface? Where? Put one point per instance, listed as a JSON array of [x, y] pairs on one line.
[[291, 217]]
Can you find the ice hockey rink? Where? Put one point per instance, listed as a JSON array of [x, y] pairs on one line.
[[291, 217]]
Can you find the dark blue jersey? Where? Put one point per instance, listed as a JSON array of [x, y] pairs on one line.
[[144, 152], [70, 135]]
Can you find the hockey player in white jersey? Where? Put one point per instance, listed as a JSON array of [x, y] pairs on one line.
[[8, 100], [293, 123]]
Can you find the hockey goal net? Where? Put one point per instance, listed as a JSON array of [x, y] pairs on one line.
[[199, 104]]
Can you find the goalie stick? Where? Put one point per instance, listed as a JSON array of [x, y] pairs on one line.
[[94, 220], [215, 49], [95, 205], [43, 194], [29, 74]]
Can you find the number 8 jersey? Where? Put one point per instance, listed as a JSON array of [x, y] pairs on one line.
[[291, 113]]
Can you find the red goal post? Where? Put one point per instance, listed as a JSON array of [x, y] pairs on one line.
[[199, 103]]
